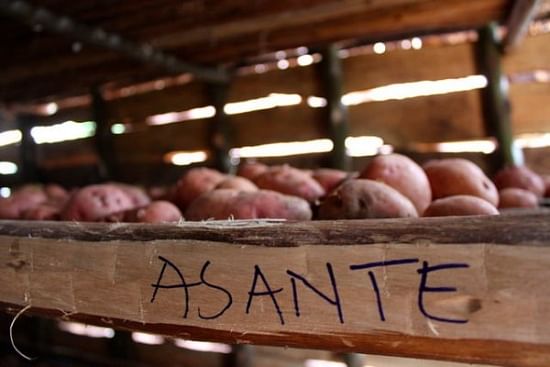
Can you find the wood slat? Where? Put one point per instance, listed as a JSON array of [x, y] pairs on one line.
[[447, 117], [538, 159], [530, 107], [282, 124], [531, 54], [400, 66], [495, 311]]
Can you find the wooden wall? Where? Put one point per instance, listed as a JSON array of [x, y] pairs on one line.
[[425, 119]]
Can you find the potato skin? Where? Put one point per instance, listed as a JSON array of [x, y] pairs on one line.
[[96, 202], [290, 181], [457, 176], [237, 183], [44, 211], [23, 199], [228, 203], [362, 198], [251, 170], [460, 205], [404, 175], [520, 177], [546, 179], [194, 183], [513, 197], [138, 195], [329, 178]]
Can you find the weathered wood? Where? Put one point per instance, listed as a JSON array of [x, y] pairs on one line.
[[530, 108], [299, 284], [523, 12], [532, 54], [28, 13], [336, 113], [496, 106], [447, 117], [401, 66]]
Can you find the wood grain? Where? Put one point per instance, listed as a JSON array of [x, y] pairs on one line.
[[106, 274]]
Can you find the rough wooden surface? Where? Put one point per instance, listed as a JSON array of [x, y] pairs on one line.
[[469, 289]]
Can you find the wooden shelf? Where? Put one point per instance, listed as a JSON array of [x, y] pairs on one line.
[[471, 289]]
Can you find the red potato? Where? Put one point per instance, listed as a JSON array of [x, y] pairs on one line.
[[194, 183], [404, 175], [520, 177], [56, 193], [460, 205], [290, 181], [138, 195], [329, 178], [546, 179], [45, 211], [20, 201], [227, 203], [237, 183], [457, 176], [251, 170], [96, 202], [513, 197], [361, 198], [159, 211]]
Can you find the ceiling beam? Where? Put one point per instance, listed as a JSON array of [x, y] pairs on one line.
[[30, 14], [523, 12]]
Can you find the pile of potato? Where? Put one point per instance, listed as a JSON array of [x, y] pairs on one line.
[[390, 186]]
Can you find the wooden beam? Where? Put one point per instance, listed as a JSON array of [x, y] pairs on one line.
[[303, 284], [27, 149], [220, 132], [523, 12], [496, 106], [103, 137], [336, 113], [28, 13]]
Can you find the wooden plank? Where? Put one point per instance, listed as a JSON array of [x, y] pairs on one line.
[[172, 99], [400, 66], [158, 140], [447, 117], [530, 108], [532, 54], [281, 124], [538, 159], [523, 12], [79, 114], [302, 284]]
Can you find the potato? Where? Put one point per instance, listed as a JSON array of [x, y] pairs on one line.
[[460, 205], [520, 177], [138, 195], [237, 183], [546, 179], [361, 198], [290, 181], [251, 170], [194, 183], [329, 178], [45, 211], [23, 199], [56, 192], [404, 175], [513, 197], [159, 211], [457, 176], [96, 202], [229, 203]]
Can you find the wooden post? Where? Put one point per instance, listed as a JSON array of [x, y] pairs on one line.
[[103, 137], [354, 360], [29, 166], [495, 103], [220, 132], [336, 112], [240, 356], [517, 26]]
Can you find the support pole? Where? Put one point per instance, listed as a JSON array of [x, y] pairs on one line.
[[29, 165], [220, 131], [336, 112], [523, 12], [495, 103], [103, 137]]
